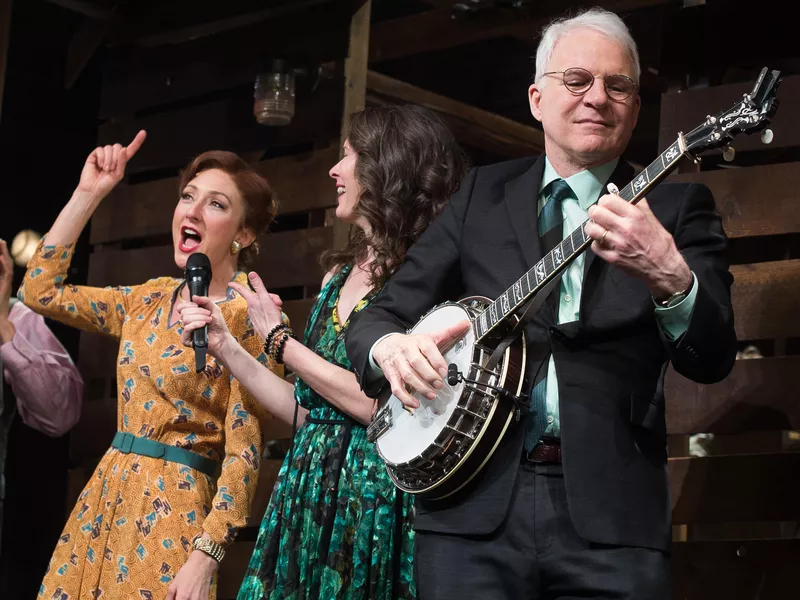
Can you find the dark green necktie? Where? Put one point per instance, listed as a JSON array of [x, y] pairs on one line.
[[551, 215], [550, 218]]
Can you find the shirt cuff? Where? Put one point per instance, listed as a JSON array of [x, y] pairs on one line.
[[18, 350], [374, 371], [674, 321]]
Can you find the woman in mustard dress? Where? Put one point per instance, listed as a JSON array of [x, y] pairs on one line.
[[177, 482], [336, 527]]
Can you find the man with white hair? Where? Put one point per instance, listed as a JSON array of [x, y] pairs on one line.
[[575, 501]]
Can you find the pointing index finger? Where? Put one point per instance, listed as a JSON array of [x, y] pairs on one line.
[[137, 142]]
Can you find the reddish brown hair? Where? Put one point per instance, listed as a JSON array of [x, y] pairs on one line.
[[260, 204]]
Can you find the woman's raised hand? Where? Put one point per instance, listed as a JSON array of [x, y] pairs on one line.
[[263, 308], [105, 167]]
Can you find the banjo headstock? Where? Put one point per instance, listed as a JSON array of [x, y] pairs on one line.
[[752, 113]]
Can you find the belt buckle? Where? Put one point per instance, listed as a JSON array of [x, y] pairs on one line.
[[126, 443], [529, 455], [550, 453]]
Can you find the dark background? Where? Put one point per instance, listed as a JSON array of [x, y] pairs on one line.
[[47, 129]]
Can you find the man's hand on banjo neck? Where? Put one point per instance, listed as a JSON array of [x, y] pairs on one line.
[[414, 362]]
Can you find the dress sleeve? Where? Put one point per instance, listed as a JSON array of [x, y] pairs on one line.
[[244, 441], [46, 291]]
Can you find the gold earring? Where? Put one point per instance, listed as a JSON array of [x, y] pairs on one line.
[[235, 247]]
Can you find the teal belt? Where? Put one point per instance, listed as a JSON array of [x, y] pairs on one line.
[[128, 443]]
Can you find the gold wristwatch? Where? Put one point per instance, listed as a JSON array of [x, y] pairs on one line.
[[213, 549], [677, 297]]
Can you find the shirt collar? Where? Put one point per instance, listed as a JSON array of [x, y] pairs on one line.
[[587, 185]]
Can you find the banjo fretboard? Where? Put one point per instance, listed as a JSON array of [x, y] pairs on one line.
[[566, 251]]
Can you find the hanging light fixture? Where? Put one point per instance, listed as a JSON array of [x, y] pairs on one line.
[[275, 94], [23, 246]]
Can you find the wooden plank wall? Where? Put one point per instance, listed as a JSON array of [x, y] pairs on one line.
[[736, 508], [196, 96]]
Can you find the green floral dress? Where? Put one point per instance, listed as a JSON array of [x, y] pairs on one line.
[[336, 527]]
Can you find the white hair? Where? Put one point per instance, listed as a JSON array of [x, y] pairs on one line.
[[598, 19]]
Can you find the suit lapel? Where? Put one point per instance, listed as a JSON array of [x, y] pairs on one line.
[[521, 199]]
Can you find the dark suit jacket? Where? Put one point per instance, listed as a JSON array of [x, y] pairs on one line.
[[610, 363]]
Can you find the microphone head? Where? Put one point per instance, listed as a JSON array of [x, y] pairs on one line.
[[198, 265]]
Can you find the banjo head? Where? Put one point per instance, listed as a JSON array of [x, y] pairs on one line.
[[411, 434]]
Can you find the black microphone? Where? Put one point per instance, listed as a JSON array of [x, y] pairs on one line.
[[453, 374], [198, 279]]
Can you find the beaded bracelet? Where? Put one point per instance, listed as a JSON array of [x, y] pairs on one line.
[[273, 345], [279, 351], [271, 335]]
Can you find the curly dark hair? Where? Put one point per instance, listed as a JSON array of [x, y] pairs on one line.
[[408, 164], [260, 204]]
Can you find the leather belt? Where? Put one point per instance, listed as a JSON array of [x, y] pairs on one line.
[[545, 452]]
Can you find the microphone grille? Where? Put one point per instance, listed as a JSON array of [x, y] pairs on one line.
[[198, 260]]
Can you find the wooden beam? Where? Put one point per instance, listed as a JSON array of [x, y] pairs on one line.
[[199, 30], [726, 489], [5, 27], [765, 300], [355, 65], [760, 200], [683, 110], [753, 397], [88, 38], [355, 91], [472, 126], [85, 8], [436, 30]]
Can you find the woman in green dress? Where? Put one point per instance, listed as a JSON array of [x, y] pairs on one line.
[[336, 527]]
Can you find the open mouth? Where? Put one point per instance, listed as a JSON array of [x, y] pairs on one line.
[[190, 239], [340, 190]]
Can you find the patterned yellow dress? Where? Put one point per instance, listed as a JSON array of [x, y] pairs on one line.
[[134, 523]]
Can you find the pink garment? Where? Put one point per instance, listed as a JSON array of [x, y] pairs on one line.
[[45, 381]]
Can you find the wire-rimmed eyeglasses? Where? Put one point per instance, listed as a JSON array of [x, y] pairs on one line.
[[578, 81]]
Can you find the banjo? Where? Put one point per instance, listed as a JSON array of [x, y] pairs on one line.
[[440, 447]]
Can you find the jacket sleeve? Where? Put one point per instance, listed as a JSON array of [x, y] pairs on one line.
[[429, 274], [706, 352]]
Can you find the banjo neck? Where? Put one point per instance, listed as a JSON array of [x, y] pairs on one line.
[[565, 252]]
